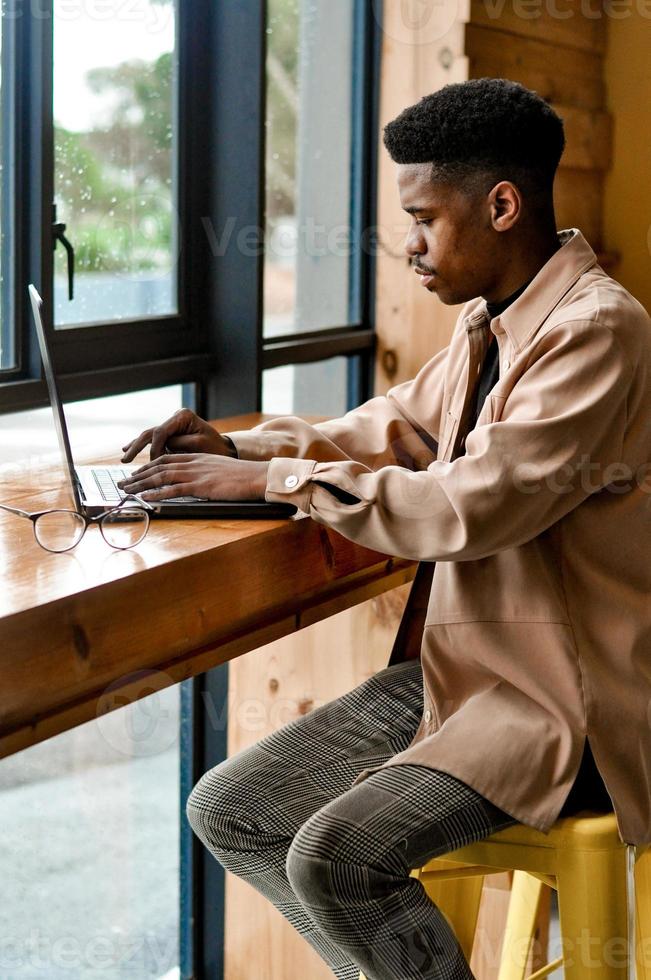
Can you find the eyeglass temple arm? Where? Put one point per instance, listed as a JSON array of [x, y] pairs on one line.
[[146, 506], [16, 510]]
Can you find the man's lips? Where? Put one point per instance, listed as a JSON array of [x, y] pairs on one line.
[[425, 277]]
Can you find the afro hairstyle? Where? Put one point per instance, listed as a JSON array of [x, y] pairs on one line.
[[478, 132]]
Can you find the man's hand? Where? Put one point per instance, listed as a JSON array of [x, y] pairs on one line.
[[198, 475], [184, 432]]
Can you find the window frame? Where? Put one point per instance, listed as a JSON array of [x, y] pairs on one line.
[[215, 344], [203, 344]]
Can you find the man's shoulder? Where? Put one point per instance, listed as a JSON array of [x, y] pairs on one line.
[[598, 298]]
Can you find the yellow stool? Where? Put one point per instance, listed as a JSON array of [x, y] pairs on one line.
[[603, 886]]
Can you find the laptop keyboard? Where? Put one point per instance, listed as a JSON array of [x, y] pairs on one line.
[[107, 484]]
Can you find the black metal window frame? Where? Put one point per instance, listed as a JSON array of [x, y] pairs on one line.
[[216, 340]]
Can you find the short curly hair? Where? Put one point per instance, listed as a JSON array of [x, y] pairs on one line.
[[486, 129]]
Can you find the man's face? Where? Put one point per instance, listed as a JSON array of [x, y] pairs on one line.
[[451, 239]]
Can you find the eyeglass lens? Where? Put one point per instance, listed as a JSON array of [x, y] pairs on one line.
[[124, 527], [59, 530]]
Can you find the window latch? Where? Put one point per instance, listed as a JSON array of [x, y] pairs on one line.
[[59, 235]]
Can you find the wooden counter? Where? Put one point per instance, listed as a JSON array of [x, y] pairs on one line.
[[84, 632]]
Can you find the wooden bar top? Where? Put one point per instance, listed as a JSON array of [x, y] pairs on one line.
[[85, 632]]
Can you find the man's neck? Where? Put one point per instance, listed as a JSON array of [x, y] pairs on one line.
[[527, 262]]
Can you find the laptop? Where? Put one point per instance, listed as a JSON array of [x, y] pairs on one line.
[[94, 488]]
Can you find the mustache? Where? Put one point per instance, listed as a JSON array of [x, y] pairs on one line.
[[422, 269]]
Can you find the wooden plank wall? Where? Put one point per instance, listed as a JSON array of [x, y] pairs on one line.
[[268, 688], [412, 325], [563, 60]]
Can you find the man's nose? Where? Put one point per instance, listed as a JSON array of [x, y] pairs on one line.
[[415, 243]]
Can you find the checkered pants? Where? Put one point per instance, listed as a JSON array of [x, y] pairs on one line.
[[335, 860]]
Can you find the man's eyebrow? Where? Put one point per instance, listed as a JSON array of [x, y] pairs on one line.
[[417, 210]]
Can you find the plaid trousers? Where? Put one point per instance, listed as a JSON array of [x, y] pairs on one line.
[[335, 860]]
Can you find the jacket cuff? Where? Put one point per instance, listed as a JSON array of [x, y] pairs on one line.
[[247, 445], [289, 482]]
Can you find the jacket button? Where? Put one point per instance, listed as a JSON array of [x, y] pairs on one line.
[[291, 481], [428, 716]]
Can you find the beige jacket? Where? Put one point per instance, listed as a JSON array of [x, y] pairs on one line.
[[537, 630]]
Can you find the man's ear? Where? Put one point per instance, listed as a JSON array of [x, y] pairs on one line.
[[505, 203]]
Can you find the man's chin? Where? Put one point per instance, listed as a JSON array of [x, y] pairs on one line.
[[446, 297]]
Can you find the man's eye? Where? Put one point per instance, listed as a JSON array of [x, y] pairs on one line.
[[424, 221]]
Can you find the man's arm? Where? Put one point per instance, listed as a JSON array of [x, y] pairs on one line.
[[562, 429], [400, 428]]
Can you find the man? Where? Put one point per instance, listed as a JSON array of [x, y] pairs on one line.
[[514, 467]]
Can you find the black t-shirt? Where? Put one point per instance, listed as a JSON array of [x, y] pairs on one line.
[[490, 371]]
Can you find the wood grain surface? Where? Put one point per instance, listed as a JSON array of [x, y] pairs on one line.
[[80, 632]]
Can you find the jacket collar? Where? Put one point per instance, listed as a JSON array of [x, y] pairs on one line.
[[524, 316]]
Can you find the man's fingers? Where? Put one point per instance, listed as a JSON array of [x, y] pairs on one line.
[[165, 493], [159, 438], [185, 443], [154, 478], [132, 448], [169, 459]]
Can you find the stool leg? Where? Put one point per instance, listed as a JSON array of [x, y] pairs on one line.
[[459, 900], [524, 904], [593, 913], [643, 913]]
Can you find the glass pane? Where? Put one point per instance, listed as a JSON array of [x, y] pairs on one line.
[[90, 848], [318, 389], [114, 87], [7, 351], [309, 165], [28, 440]]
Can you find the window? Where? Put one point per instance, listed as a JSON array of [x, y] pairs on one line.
[[165, 196], [28, 439], [90, 829], [309, 171], [310, 389], [185, 186], [114, 160], [319, 180]]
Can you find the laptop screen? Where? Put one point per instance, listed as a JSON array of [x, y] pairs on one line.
[[55, 398]]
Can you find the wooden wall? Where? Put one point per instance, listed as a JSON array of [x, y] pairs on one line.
[[563, 60], [268, 688], [627, 205]]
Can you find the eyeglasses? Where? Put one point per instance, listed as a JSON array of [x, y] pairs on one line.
[[57, 531]]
